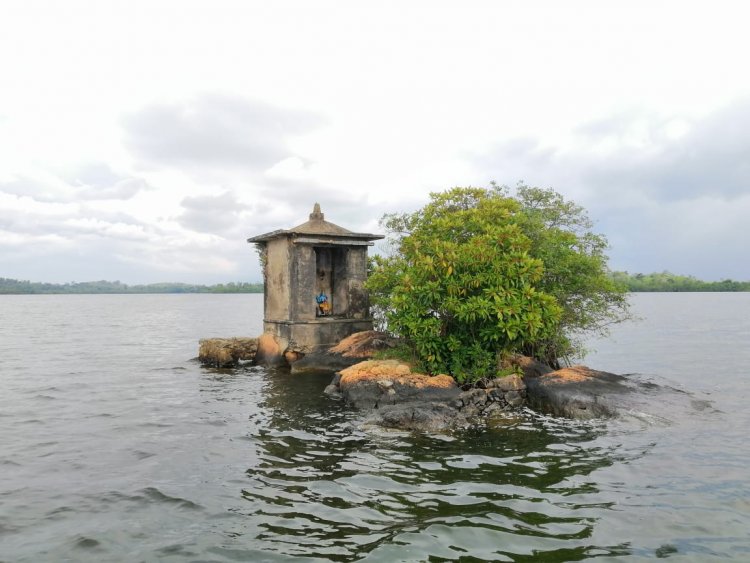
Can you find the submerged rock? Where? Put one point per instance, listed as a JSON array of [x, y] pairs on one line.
[[580, 392], [422, 417], [227, 352]]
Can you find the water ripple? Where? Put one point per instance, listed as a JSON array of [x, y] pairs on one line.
[[139, 454]]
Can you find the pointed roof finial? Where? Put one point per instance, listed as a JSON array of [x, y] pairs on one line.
[[317, 226], [316, 215]]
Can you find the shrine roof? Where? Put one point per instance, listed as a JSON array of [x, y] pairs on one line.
[[316, 226]]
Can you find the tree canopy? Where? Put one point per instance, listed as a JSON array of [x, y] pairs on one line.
[[477, 274]]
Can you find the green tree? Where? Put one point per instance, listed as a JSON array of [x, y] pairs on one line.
[[460, 288], [575, 270], [476, 274]]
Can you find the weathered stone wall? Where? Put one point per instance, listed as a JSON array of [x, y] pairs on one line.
[[356, 272], [315, 334], [277, 288], [302, 286], [340, 288]]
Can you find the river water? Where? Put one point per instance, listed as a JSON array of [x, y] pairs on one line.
[[116, 446]]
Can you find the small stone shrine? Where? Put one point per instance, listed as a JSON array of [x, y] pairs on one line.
[[314, 276]]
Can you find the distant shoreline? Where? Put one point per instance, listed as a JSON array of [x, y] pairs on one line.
[[666, 282], [635, 283], [15, 287]]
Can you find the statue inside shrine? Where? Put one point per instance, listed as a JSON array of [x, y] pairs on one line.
[[324, 305]]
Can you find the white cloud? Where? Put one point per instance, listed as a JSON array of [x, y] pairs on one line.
[[90, 182], [214, 131], [146, 148]]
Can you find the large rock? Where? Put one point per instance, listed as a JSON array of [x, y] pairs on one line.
[[375, 383], [395, 397], [227, 352], [582, 393], [351, 350], [578, 392]]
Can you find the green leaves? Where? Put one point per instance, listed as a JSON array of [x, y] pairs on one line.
[[476, 274], [575, 270]]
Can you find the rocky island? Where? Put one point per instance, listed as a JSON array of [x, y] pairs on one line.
[[478, 284], [390, 394]]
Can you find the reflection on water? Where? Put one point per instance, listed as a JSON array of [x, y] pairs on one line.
[[324, 488]]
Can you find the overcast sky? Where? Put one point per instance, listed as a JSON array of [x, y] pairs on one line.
[[145, 141]]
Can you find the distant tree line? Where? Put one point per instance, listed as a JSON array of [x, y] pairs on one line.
[[666, 281], [10, 286], [656, 282]]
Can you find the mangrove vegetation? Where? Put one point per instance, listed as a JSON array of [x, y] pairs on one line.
[[478, 274]]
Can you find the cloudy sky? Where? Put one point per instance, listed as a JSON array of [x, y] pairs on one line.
[[144, 141]]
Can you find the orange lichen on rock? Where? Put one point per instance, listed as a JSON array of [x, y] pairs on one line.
[[570, 375], [394, 371], [361, 344]]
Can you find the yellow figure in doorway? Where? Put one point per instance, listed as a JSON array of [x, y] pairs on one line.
[[324, 306]]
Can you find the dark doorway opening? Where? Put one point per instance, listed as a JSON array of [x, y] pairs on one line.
[[330, 282]]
